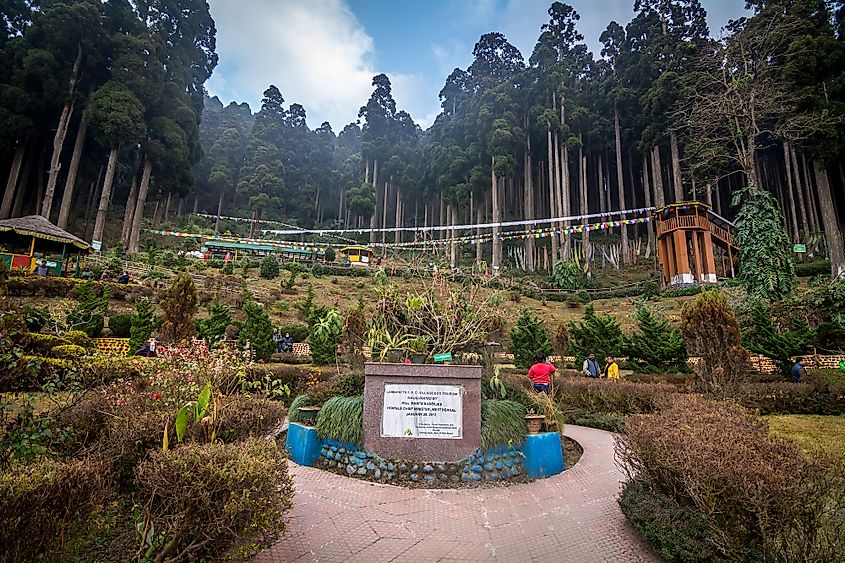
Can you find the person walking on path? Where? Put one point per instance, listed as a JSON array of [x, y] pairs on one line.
[[540, 374], [799, 370], [612, 369], [591, 367]]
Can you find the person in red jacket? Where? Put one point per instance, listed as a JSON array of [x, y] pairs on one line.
[[540, 373]]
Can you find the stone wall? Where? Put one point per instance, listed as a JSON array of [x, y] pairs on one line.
[[496, 464]]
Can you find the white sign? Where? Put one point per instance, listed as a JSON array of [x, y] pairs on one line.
[[96, 245], [422, 411]]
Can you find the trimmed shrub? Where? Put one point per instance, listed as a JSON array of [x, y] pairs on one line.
[[502, 423], [809, 269], [242, 417], [677, 533], [348, 384], [100, 370], [121, 325], [299, 401], [621, 398], [40, 502], [342, 419], [207, 499], [68, 352], [529, 337], [761, 497], [297, 331], [42, 344], [79, 338], [611, 422], [269, 267]]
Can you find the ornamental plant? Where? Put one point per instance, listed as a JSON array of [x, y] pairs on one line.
[[765, 253], [269, 267], [655, 347], [763, 338], [143, 324], [257, 331], [180, 306], [711, 331], [529, 337], [212, 329], [89, 313], [326, 330], [599, 334]]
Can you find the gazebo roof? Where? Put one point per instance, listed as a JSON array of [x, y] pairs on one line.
[[39, 227]]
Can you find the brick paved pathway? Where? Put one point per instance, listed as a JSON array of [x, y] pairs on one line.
[[569, 517]]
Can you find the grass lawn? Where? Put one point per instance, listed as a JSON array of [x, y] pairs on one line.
[[811, 432]]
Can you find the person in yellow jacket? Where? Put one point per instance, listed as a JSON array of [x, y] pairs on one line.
[[612, 369]]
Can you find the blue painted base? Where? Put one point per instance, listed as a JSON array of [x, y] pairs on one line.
[[302, 444], [543, 455]]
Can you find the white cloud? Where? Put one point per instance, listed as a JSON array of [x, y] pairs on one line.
[[315, 52]]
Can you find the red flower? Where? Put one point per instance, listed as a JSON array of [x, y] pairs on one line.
[[156, 396]]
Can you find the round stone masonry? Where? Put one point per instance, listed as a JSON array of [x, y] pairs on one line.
[[422, 411]]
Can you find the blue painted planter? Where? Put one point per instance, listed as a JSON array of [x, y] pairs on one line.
[[543, 455], [302, 444]]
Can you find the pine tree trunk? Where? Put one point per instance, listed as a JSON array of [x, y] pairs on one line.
[[479, 250], [831, 222], [497, 244], [790, 194], [340, 208], [105, 196], [441, 234], [453, 245], [59, 138], [584, 205], [657, 177], [602, 191], [70, 182], [566, 202], [677, 178], [93, 193], [528, 194], [219, 212], [138, 215], [647, 199], [811, 200], [398, 218], [374, 216], [553, 211], [799, 189], [130, 205], [385, 203], [12, 182], [620, 183], [167, 207]]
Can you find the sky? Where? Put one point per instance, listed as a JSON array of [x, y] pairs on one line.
[[324, 53]]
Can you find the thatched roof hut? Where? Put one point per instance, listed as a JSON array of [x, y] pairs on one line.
[[36, 226], [25, 240]]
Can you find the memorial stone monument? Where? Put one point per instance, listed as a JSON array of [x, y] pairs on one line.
[[422, 412]]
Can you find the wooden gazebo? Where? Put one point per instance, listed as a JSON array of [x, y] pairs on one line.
[[692, 242], [26, 240]]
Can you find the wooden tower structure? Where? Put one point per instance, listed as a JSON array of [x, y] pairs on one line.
[[694, 245]]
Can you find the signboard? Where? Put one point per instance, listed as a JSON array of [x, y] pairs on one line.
[[445, 357], [422, 411], [799, 248], [96, 245]]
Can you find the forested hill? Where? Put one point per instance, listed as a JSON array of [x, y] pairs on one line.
[[662, 114]]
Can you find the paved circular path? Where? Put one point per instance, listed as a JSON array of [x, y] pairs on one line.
[[569, 517]]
